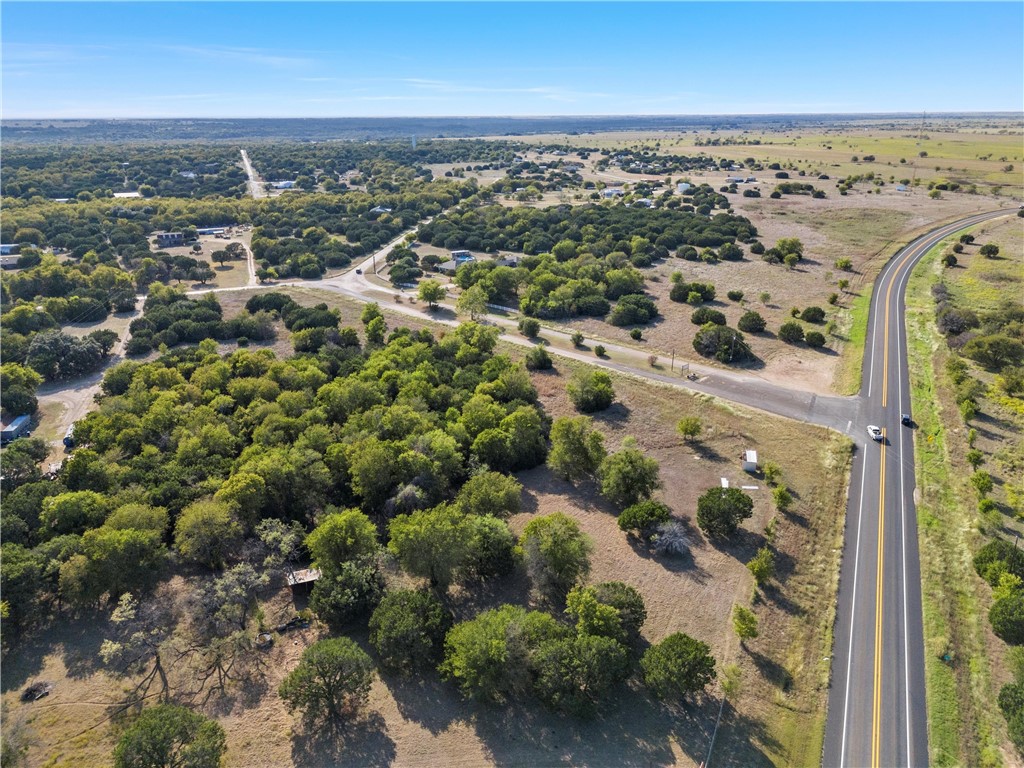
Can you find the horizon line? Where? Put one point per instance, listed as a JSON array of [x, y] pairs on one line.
[[937, 113]]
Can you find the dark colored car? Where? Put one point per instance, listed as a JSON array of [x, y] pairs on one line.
[[906, 421]]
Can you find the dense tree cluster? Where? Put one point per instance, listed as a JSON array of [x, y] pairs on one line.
[[170, 318], [511, 653], [379, 164], [43, 298], [80, 172], [580, 259], [223, 443], [594, 229], [646, 161]]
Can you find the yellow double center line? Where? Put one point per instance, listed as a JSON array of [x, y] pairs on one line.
[[885, 343], [876, 722]]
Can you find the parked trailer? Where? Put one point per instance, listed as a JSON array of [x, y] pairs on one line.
[[17, 428]]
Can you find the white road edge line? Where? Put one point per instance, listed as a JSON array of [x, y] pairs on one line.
[[903, 509], [853, 610]]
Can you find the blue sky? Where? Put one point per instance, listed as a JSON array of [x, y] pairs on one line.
[[237, 59]]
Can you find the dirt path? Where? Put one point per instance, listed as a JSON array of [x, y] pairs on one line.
[[250, 263], [255, 182], [62, 403]]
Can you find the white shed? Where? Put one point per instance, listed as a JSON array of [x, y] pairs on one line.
[[750, 461]]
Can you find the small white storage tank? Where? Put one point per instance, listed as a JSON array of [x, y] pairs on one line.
[[750, 461]]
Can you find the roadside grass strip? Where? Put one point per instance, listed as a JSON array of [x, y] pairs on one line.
[[957, 674], [852, 364]]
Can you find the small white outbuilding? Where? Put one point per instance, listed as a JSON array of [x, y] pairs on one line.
[[750, 461]]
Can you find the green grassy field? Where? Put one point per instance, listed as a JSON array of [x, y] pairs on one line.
[[982, 283], [968, 155]]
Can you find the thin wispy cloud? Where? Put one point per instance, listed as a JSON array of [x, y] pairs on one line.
[[35, 53], [253, 56]]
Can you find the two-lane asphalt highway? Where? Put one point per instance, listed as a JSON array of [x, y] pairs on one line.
[[877, 712]]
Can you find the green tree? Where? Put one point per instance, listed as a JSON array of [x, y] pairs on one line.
[[762, 566], [18, 386], [722, 343], [564, 250], [370, 312], [628, 476], [376, 329], [744, 623], [431, 292], [751, 322], [721, 510], [432, 543], [577, 449], [982, 482], [529, 327], [73, 512], [787, 245], [557, 553], [782, 497], [139, 517], [492, 548], [472, 302], [592, 616], [677, 666], [245, 493], [989, 250], [341, 537], [408, 628], [590, 390], [576, 674], [113, 562], [348, 591], [791, 332], [1007, 618], [206, 532], [975, 458], [490, 493], [488, 657], [812, 314], [170, 736], [815, 339], [629, 604], [689, 427], [643, 517], [331, 683], [21, 581]]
